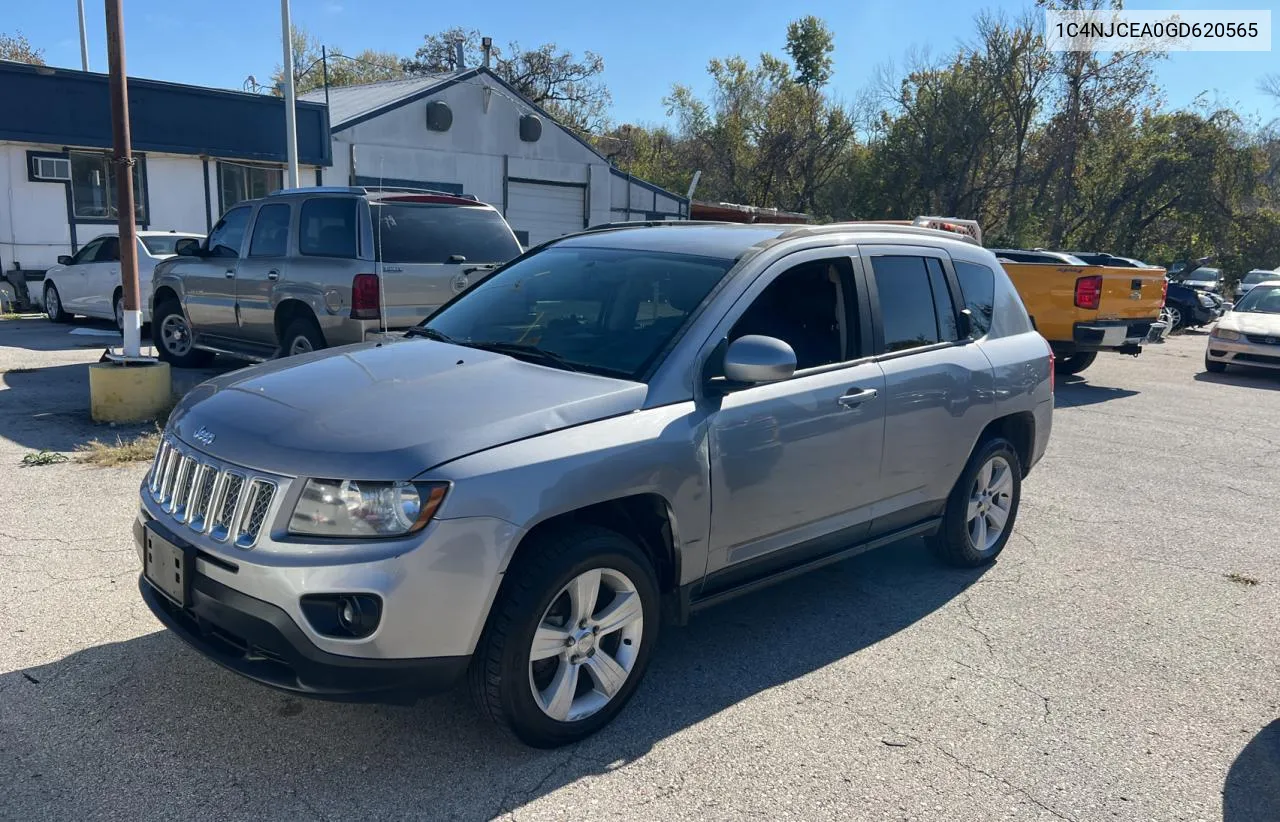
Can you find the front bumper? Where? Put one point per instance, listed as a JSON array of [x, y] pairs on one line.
[[258, 640], [1243, 352], [1120, 334]]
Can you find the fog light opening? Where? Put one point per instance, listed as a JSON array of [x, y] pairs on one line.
[[343, 616]]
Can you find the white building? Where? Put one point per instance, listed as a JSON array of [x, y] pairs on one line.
[[470, 132], [197, 152]]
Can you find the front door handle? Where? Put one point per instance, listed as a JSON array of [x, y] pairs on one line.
[[231, 272], [855, 397], [273, 275]]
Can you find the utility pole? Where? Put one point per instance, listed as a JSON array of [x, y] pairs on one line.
[[84, 40], [290, 115], [122, 157]]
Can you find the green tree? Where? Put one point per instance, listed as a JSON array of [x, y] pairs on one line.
[[810, 44], [18, 48], [368, 66]]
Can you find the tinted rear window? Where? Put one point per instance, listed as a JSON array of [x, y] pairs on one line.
[[978, 284], [432, 233], [166, 245], [327, 227]]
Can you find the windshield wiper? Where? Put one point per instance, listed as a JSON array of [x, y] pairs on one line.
[[430, 334], [533, 352]]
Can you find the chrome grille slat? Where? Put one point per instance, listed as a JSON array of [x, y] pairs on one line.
[[228, 504]]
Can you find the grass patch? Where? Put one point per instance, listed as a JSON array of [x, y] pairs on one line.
[[9, 315], [1241, 579], [106, 455], [43, 458]]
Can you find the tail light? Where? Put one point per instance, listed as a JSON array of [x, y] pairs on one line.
[[1088, 292], [364, 297], [1164, 291]]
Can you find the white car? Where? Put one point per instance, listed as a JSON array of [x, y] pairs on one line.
[[1249, 333], [1258, 275], [89, 283]]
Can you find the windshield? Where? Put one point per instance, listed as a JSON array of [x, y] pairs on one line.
[[606, 311], [405, 232], [1254, 277], [1261, 300], [1203, 275], [164, 246]]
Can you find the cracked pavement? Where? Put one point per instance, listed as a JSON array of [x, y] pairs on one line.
[[1104, 668]]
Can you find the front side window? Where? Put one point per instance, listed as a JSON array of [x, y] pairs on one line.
[[908, 305], [163, 245], [88, 253], [406, 232], [270, 231], [601, 310], [239, 182], [805, 307], [978, 285], [109, 252], [327, 227], [93, 187], [228, 235]]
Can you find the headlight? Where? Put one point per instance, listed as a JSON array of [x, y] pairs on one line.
[[350, 508], [1206, 300], [1225, 334]]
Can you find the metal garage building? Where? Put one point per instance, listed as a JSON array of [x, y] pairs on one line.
[[470, 132]]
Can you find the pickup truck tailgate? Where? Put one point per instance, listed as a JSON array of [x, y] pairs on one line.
[[1129, 293]]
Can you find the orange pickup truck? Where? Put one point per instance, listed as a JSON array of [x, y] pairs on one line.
[[1080, 309]]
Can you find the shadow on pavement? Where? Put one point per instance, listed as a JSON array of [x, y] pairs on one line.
[[1244, 377], [47, 408], [149, 729], [1252, 790], [1073, 390], [39, 334]]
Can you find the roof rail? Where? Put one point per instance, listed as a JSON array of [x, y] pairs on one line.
[[292, 192], [304, 190], [409, 190], [650, 224], [895, 226]]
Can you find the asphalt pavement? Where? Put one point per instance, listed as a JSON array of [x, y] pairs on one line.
[[1120, 661]]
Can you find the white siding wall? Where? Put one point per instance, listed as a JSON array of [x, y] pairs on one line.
[[175, 194], [33, 216]]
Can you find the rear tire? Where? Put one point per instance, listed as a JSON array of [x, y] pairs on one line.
[[301, 336], [53, 305], [1214, 367], [539, 603], [1074, 363], [988, 492], [173, 338]]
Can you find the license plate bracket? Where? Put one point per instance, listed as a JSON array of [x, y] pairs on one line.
[[168, 566]]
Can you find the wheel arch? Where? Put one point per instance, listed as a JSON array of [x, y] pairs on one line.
[[290, 309], [1018, 428], [648, 518]]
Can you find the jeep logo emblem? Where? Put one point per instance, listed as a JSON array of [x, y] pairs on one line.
[[203, 435]]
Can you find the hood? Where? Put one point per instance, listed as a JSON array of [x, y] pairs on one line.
[[388, 411], [1247, 322]]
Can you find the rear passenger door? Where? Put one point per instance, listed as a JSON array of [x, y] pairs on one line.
[[265, 264], [938, 386]]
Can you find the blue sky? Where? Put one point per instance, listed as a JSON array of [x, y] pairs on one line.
[[646, 46]]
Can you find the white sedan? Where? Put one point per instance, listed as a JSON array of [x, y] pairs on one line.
[[1249, 333], [89, 282]]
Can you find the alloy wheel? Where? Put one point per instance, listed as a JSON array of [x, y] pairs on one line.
[[52, 305], [586, 644], [175, 335], [120, 313], [1175, 317], [300, 345], [989, 503]]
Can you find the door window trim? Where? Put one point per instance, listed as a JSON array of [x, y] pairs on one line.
[[713, 345], [873, 295]]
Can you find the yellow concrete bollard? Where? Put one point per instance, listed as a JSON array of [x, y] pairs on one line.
[[128, 393]]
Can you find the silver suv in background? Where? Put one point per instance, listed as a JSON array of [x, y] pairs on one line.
[[617, 429], [308, 268]]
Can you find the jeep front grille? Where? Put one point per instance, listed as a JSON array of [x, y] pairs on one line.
[[227, 503]]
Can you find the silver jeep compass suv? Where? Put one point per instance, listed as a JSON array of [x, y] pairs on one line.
[[614, 430]]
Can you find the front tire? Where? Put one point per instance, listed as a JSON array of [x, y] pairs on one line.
[[1214, 367], [53, 305], [983, 506], [569, 638], [173, 338], [1074, 363]]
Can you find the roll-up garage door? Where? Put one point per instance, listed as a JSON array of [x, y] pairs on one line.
[[545, 211]]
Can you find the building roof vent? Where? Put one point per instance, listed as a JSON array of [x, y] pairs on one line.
[[530, 128]]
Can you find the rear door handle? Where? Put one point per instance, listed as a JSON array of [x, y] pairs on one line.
[[273, 275], [855, 397], [231, 272]]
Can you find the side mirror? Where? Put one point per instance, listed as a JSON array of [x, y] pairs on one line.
[[457, 258], [187, 247], [755, 359], [64, 259], [964, 324]]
